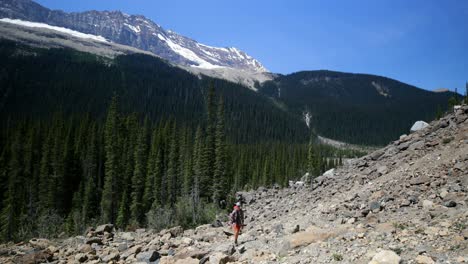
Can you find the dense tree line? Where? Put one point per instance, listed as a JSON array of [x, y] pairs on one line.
[[71, 172]]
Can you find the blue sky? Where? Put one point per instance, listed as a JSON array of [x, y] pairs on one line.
[[423, 43]]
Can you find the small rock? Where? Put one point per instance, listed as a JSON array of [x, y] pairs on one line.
[[296, 229], [81, 257], [450, 204], [241, 249], [375, 206], [385, 257], [187, 261], [420, 180], [427, 204], [112, 256], [85, 248], [93, 240], [421, 259], [443, 194], [127, 236], [382, 170]]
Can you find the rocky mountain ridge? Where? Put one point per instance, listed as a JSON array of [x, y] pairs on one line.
[[405, 203], [136, 31]]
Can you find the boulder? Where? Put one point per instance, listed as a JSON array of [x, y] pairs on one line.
[[39, 243], [385, 257], [176, 231], [219, 258], [42, 256], [148, 256], [329, 173], [104, 228], [418, 125]]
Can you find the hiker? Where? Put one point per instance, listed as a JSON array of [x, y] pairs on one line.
[[237, 220]]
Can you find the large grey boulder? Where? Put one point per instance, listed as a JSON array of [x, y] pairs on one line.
[[385, 257], [418, 125]]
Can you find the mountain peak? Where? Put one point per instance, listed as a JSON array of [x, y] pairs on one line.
[[136, 31]]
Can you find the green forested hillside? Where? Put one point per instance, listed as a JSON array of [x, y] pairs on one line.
[[355, 108], [37, 82]]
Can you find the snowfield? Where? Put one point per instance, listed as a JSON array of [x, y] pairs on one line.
[[60, 29]]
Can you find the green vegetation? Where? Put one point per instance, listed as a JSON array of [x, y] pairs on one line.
[[337, 257]]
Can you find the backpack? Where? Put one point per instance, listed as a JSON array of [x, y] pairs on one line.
[[236, 217]]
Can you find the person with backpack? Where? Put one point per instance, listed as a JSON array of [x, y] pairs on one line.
[[237, 220]]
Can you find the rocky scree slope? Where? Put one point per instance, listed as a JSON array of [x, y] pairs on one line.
[[405, 203]]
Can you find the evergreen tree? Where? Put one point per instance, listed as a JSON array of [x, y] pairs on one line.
[[220, 169], [173, 171], [13, 202], [90, 167], [138, 179], [148, 194], [109, 193], [123, 213], [208, 153]]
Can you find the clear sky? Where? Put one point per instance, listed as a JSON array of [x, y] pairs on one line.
[[420, 42]]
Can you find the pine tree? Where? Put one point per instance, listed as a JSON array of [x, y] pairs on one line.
[[148, 194], [208, 153], [197, 171], [109, 193], [12, 203], [45, 174], [123, 213], [220, 169], [90, 197], [173, 171], [138, 179]]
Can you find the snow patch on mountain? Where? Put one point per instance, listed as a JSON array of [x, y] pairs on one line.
[[60, 29], [133, 28], [382, 90], [188, 54]]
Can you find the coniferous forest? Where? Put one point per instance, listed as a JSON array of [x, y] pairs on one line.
[[67, 173]]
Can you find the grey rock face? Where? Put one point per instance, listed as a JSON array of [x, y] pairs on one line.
[[136, 31]]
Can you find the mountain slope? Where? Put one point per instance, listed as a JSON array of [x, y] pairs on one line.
[[355, 108], [136, 31]]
